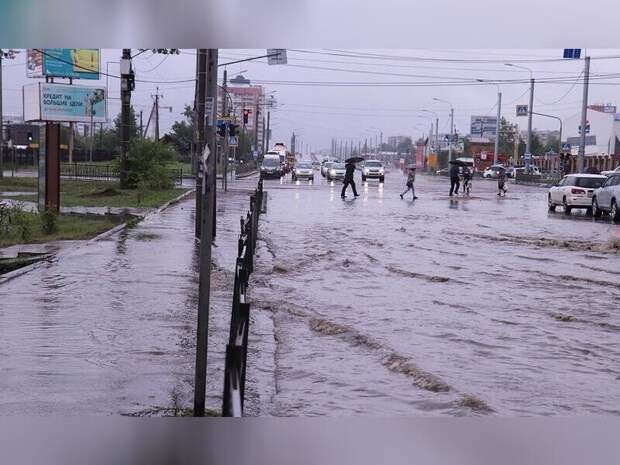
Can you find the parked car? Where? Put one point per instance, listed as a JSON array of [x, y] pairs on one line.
[[610, 172], [373, 169], [574, 191], [510, 172], [303, 170], [271, 167], [336, 171], [607, 198], [493, 171], [521, 170]]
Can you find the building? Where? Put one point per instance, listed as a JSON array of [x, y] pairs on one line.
[[395, 141], [245, 97]]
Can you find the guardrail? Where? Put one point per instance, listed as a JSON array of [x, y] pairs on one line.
[[88, 172], [237, 347], [536, 179]]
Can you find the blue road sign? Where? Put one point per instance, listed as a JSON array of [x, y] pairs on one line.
[[522, 110], [566, 147], [572, 53]]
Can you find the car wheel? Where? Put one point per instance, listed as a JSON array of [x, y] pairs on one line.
[[381, 179], [363, 178], [567, 208], [550, 203], [596, 212], [614, 211]]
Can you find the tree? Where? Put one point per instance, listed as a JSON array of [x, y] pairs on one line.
[[506, 137], [146, 164], [552, 145], [405, 145], [182, 134]]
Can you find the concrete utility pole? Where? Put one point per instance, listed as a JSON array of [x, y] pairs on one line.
[[8, 54], [257, 109], [499, 116], [451, 133], [263, 138], [267, 134], [207, 191], [584, 117], [199, 130], [141, 124], [225, 114], [528, 147], [126, 72], [157, 115]]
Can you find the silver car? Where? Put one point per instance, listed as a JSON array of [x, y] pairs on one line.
[[303, 170], [337, 171], [607, 198]]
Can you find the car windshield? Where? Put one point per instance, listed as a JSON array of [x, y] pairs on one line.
[[373, 164], [591, 183], [338, 166], [304, 165], [271, 162]]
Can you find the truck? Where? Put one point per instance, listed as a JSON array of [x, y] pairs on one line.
[[287, 159]]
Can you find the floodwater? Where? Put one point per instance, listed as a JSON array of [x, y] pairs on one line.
[[372, 306], [471, 306], [108, 327]]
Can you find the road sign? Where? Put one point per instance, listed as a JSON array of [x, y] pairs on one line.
[[210, 110], [233, 141], [587, 127], [572, 53], [527, 156], [566, 147], [277, 56], [522, 110], [255, 154]]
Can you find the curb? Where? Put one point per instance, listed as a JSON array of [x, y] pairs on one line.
[[14, 274]]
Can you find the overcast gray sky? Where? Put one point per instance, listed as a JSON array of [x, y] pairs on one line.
[[350, 108]]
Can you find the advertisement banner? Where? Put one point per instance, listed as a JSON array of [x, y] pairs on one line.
[[483, 126], [62, 102], [75, 63]]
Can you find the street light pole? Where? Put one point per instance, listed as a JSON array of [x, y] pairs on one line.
[[528, 143], [584, 117], [497, 127]]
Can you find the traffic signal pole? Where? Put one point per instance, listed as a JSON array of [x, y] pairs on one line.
[[199, 130], [225, 143], [125, 113]]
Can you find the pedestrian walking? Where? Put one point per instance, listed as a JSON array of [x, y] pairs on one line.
[[348, 179], [454, 179], [467, 176], [501, 183], [410, 182]]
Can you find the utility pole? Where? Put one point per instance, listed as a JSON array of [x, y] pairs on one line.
[[126, 88], [584, 117], [8, 54], [225, 112], [451, 133], [499, 115], [207, 191], [141, 125], [268, 123], [516, 148], [257, 107], [202, 82], [263, 138], [528, 144], [157, 115]]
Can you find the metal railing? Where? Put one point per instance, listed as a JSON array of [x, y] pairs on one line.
[[522, 178], [237, 347], [89, 172]]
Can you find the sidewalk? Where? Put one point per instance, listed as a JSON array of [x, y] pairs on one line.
[[111, 326]]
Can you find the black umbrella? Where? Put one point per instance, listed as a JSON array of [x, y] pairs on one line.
[[354, 160], [457, 162]]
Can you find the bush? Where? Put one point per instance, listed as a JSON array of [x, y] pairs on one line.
[[20, 223], [49, 222], [146, 165]]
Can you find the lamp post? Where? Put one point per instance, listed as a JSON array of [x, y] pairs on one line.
[[528, 145], [499, 115], [558, 119], [451, 126]]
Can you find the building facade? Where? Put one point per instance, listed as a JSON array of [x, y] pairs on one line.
[[245, 97]]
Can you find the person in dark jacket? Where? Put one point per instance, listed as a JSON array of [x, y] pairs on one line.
[[348, 179], [454, 179]]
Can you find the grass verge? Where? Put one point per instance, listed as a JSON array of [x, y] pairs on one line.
[[92, 193], [70, 227]]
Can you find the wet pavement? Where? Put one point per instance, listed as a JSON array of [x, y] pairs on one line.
[[439, 306], [108, 327]]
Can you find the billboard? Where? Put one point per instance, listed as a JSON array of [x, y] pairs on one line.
[[483, 126], [75, 63], [63, 102]]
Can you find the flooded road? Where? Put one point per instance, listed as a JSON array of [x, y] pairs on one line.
[[481, 305], [108, 327]]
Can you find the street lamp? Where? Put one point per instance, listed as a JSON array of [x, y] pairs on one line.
[[528, 147], [499, 115], [451, 126]]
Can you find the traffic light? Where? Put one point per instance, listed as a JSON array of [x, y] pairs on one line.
[[246, 114], [131, 80], [221, 129], [29, 137], [232, 129]]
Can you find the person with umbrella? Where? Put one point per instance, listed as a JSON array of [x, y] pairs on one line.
[[454, 177], [410, 181], [348, 176]]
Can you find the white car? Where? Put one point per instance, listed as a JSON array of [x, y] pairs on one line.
[[303, 170], [325, 167], [337, 171], [373, 169], [574, 191], [610, 172], [607, 198], [493, 171]]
